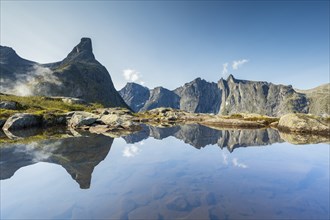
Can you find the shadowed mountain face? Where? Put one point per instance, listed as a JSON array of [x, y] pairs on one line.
[[200, 136], [77, 155], [161, 97], [199, 96], [135, 95], [79, 75], [235, 96]]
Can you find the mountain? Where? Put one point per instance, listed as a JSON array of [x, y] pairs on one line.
[[79, 75], [199, 96], [237, 96], [135, 95], [161, 97], [259, 97], [318, 99]]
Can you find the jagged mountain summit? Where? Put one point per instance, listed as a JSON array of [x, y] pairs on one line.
[[79, 75], [234, 96]]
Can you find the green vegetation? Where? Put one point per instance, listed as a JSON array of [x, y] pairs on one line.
[[42, 105]]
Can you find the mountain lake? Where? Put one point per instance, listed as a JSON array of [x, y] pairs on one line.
[[182, 172]]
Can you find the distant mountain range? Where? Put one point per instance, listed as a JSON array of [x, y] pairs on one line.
[[230, 96], [79, 75]]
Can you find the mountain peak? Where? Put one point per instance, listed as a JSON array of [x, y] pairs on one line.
[[85, 45], [231, 78], [82, 52]]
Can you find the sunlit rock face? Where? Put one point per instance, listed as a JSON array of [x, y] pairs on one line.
[[230, 96], [79, 75]]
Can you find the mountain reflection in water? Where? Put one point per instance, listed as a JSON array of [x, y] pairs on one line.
[[163, 178], [79, 155]]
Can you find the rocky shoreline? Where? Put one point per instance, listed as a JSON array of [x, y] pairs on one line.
[[116, 122]]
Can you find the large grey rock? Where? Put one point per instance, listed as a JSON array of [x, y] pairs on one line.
[[22, 120], [80, 119], [9, 105], [79, 75], [135, 95], [304, 123]]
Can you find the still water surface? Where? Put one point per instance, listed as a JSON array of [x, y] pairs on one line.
[[190, 172]]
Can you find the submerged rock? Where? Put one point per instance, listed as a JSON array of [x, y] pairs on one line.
[[22, 120]]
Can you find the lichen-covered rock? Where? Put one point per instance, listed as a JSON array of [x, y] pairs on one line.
[[304, 123], [80, 119], [22, 120], [9, 105]]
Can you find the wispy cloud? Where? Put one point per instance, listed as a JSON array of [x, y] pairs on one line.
[[27, 84], [238, 63], [238, 164], [131, 151], [225, 158], [132, 75], [224, 69]]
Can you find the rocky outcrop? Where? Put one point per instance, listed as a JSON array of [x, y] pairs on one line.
[[80, 119], [79, 75], [21, 121], [304, 123], [161, 97], [135, 95]]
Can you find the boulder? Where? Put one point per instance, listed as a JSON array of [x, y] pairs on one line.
[[80, 119], [117, 120], [22, 120], [9, 105], [304, 123]]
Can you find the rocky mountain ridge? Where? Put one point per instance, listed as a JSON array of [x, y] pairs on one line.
[[232, 96], [79, 75]]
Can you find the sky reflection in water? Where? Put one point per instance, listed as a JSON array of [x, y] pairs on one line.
[[166, 179]]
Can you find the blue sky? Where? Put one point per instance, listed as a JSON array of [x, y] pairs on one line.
[[169, 43]]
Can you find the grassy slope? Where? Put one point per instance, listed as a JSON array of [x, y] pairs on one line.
[[41, 105]]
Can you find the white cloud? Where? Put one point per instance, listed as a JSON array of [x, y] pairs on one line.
[[237, 164], [131, 75], [224, 69], [238, 63], [131, 151]]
